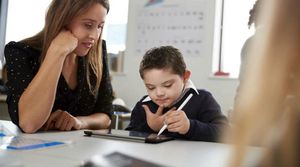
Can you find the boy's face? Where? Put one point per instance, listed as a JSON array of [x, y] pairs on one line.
[[163, 86]]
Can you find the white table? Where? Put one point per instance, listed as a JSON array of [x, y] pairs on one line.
[[79, 148]]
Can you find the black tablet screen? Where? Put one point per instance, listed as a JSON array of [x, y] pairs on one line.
[[128, 135]]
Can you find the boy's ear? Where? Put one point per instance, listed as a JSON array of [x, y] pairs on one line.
[[187, 75]]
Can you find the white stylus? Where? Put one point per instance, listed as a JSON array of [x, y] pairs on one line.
[[179, 108]]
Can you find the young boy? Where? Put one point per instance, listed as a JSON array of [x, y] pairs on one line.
[[164, 73]]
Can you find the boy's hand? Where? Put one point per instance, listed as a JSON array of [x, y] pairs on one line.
[[177, 121], [154, 120], [63, 121]]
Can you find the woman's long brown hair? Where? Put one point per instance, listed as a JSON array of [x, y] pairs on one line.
[[58, 17]]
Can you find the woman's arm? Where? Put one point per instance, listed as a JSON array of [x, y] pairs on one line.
[[63, 120], [36, 102], [95, 121]]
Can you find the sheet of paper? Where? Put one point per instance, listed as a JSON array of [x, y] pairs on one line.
[[23, 143], [2, 131], [2, 134]]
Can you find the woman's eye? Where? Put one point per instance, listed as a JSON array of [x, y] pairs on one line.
[[100, 27], [89, 26], [150, 88]]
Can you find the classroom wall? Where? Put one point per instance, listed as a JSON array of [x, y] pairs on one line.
[[130, 87]]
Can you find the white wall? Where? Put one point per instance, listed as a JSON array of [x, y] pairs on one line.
[[130, 87]]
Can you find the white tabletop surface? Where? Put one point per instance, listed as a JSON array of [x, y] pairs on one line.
[[80, 148]]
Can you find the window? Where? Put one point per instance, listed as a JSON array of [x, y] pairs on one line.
[[115, 26], [24, 23], [234, 34], [3, 15], [115, 34]]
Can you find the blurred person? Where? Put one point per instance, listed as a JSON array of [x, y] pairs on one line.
[[267, 111]]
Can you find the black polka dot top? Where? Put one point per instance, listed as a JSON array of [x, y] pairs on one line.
[[23, 64]]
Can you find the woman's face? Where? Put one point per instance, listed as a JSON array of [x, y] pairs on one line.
[[87, 28]]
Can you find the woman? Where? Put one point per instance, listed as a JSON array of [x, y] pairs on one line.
[[59, 79], [267, 112]]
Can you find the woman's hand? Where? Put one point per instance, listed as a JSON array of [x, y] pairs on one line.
[[177, 121], [65, 42], [62, 120]]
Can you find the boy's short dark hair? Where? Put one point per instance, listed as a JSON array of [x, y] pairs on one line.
[[164, 57]]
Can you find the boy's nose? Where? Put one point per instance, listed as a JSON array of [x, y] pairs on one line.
[[159, 92]]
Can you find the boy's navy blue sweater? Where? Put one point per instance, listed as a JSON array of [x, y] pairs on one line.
[[204, 113]]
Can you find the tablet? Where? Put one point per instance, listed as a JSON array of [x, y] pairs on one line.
[[128, 135], [117, 159]]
